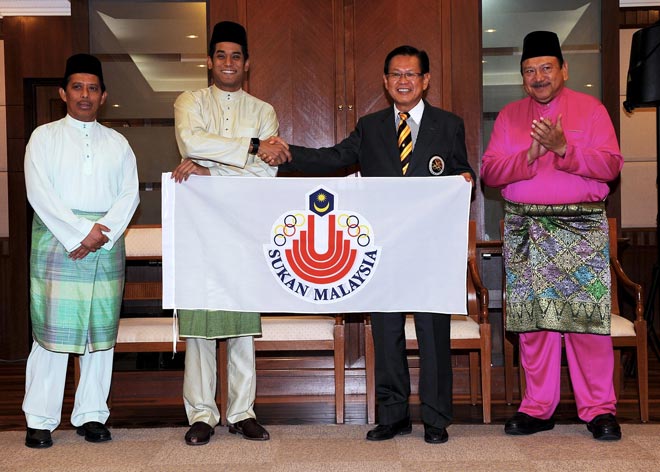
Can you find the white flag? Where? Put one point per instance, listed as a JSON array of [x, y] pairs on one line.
[[316, 245]]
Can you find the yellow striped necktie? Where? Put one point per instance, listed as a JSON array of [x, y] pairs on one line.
[[404, 141]]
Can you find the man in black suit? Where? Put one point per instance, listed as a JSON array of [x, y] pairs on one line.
[[437, 149]]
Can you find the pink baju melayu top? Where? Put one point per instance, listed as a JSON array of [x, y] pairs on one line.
[[592, 154]]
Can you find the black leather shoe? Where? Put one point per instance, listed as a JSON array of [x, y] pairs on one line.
[[250, 429], [94, 432], [605, 427], [433, 435], [199, 434], [522, 424], [38, 438], [383, 432]]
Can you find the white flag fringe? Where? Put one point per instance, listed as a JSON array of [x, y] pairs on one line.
[[316, 245]]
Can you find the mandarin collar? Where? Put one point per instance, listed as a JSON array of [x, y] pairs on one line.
[[81, 125], [226, 96]]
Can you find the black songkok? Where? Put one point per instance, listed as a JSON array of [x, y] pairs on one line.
[[541, 43], [230, 32], [83, 64]]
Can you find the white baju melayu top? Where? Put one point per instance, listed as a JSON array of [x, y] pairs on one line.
[[77, 165]]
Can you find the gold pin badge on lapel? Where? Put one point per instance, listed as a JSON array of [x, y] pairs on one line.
[[436, 165]]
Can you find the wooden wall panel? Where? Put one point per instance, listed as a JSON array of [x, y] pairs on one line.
[[5, 277], [610, 75], [466, 87], [292, 66], [292, 63], [80, 26], [225, 10], [638, 17], [321, 67], [382, 25], [29, 50], [28, 53]]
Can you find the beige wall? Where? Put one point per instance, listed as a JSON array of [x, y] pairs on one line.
[[4, 210], [638, 145]]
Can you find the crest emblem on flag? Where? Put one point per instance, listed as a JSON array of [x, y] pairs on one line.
[[322, 254]]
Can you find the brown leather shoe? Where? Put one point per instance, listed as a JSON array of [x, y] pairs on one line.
[[199, 434], [250, 429]]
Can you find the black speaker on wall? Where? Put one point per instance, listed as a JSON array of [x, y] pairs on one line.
[[643, 87]]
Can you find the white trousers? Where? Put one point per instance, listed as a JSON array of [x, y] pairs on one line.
[[45, 376], [200, 380]]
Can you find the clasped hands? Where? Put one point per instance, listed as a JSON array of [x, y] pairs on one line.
[[92, 242], [274, 151], [546, 136]]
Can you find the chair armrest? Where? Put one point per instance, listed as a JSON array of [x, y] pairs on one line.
[[632, 287], [482, 291]]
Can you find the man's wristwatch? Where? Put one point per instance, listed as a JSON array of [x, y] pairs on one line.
[[254, 145]]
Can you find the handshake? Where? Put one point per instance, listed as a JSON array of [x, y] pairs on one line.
[[274, 151]]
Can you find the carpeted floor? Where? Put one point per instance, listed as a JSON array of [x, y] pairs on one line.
[[340, 448]]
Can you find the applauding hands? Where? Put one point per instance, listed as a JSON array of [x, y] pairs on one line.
[[546, 136]]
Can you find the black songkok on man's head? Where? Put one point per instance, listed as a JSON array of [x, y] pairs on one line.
[[541, 43], [230, 32], [83, 64]]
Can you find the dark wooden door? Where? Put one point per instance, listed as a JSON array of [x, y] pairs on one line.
[[378, 26], [320, 64], [293, 64]]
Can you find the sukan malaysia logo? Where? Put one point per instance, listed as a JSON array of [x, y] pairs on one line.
[[322, 254]]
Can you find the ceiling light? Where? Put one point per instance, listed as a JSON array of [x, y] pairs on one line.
[[115, 105], [588, 85], [35, 8], [490, 30], [192, 36]]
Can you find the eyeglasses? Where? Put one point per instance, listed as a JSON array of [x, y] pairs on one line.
[[401, 75], [543, 70]]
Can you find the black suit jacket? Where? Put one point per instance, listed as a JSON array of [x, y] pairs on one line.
[[373, 145]]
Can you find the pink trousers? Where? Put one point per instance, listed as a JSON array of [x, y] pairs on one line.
[[590, 364]]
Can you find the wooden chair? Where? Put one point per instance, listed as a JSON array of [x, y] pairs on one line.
[[149, 334], [144, 334], [470, 333], [626, 333], [280, 333], [143, 243], [300, 334]]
